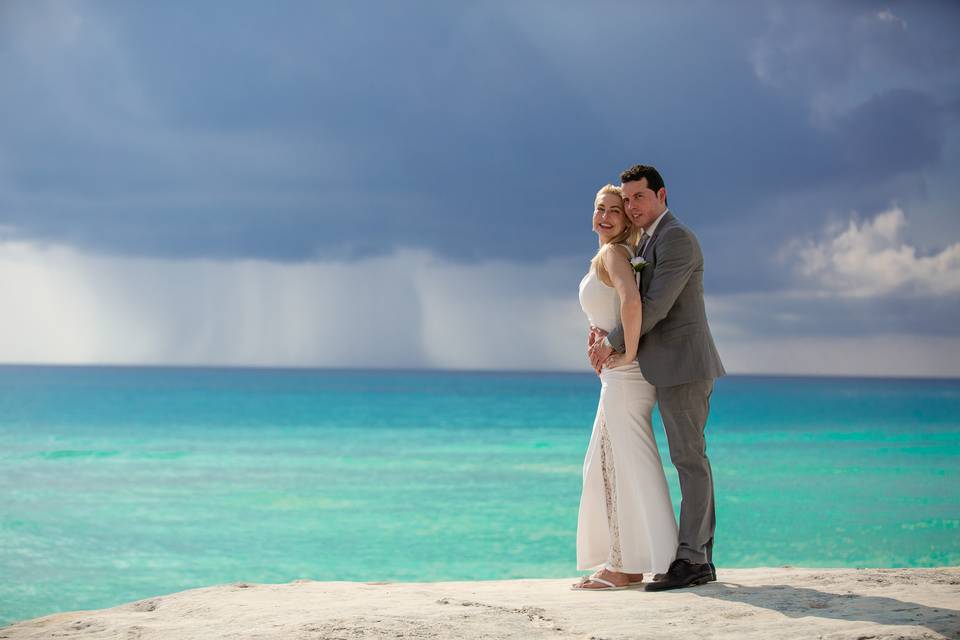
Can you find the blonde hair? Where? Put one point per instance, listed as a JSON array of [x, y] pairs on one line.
[[630, 234]]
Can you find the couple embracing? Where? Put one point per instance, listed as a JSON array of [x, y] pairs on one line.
[[650, 343]]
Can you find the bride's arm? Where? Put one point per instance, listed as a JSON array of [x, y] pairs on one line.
[[624, 278]]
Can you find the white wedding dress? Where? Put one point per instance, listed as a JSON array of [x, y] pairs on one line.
[[626, 521]]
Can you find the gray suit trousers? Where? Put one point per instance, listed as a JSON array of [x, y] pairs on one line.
[[684, 410]]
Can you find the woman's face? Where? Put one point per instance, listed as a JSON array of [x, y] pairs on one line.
[[609, 220]]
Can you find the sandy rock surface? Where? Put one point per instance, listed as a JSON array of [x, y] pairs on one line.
[[862, 604]]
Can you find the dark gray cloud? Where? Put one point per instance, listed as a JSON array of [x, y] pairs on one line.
[[894, 133], [302, 129], [839, 316]]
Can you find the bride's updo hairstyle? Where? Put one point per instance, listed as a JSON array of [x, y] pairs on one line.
[[630, 235]]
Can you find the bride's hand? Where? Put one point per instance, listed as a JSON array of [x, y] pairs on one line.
[[617, 360]]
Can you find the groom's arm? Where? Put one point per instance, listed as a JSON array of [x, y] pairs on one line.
[[676, 261]]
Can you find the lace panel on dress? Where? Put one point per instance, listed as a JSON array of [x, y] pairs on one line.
[[615, 559]]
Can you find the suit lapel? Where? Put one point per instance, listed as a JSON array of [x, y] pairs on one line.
[[647, 274], [667, 219]]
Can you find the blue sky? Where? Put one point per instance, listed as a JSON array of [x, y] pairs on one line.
[[410, 184]]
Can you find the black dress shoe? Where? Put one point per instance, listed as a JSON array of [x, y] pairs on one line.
[[713, 574], [683, 573]]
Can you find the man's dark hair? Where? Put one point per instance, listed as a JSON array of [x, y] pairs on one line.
[[641, 171]]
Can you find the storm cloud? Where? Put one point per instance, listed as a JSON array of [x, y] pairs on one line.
[[813, 144]]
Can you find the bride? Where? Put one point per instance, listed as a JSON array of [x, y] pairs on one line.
[[626, 524]]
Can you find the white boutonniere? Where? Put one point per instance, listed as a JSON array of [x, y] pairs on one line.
[[638, 264]]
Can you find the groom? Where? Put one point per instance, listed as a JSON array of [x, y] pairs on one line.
[[676, 354]]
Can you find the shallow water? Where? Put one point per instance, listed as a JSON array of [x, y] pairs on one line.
[[119, 483]]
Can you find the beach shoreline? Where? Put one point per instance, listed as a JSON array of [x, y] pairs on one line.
[[784, 602]]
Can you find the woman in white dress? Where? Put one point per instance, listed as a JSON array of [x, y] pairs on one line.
[[626, 526]]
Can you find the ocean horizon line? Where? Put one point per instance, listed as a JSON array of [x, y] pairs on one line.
[[436, 370]]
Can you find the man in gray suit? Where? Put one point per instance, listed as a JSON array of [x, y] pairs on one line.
[[677, 355]]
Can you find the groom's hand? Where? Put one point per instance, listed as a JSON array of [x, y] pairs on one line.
[[599, 351], [596, 333]]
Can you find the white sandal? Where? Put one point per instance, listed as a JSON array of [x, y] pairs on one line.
[[585, 579]]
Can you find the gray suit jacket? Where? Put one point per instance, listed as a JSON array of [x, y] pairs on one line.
[[676, 346]]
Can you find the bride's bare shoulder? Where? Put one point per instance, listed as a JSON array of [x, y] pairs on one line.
[[611, 252]]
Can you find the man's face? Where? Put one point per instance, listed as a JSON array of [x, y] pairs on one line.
[[641, 203]]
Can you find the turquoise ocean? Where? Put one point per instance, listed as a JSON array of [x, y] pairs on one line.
[[118, 483]]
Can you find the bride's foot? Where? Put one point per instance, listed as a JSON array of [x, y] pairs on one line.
[[617, 578], [634, 578]]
